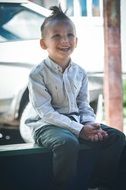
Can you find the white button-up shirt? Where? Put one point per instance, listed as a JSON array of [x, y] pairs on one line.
[[56, 95]]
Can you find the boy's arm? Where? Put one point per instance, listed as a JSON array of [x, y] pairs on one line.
[[86, 112]]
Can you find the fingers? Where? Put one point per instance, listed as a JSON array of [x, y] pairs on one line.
[[104, 134], [99, 136], [93, 132], [94, 138]]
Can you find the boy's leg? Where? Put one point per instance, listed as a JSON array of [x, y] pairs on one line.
[[65, 147], [86, 166], [109, 157], [121, 176], [67, 157]]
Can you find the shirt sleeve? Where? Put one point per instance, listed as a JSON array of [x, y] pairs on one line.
[[41, 101], [86, 112]]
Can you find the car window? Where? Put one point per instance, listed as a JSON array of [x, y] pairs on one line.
[[19, 23]]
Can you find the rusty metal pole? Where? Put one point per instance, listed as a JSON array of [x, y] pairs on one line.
[[112, 77]]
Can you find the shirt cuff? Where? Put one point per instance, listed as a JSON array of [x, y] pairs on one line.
[[75, 127]]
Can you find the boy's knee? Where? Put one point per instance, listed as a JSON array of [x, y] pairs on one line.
[[115, 133], [69, 144], [117, 138], [118, 134]]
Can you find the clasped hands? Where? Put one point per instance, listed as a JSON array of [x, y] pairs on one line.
[[93, 132]]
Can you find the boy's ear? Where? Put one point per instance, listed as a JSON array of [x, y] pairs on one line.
[[42, 44], [76, 42]]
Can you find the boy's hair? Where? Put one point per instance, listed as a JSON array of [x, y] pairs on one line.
[[57, 14]]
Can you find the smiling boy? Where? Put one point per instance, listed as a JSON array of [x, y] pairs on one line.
[[59, 115]]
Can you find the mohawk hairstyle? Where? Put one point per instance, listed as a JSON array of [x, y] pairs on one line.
[[57, 13]]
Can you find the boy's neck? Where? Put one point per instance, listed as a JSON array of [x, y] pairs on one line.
[[63, 65]]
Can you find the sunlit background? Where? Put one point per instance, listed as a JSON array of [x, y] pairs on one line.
[[20, 50]]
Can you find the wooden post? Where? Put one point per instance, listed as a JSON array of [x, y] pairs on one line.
[[112, 77]]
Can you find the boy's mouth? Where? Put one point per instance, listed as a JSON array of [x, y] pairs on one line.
[[66, 49]]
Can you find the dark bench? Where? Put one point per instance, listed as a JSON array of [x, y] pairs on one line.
[[25, 167], [28, 166], [21, 149]]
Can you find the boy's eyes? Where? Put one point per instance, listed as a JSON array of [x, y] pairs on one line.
[[58, 36], [71, 36]]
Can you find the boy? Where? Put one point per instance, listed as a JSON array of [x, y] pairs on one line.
[[60, 117]]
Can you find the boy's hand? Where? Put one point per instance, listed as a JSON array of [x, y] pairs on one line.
[[93, 132]]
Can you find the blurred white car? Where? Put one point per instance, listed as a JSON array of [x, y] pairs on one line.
[[20, 23]]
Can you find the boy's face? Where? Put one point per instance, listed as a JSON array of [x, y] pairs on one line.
[[59, 40]]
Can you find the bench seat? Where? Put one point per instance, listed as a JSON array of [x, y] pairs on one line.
[[25, 167], [28, 166], [21, 149]]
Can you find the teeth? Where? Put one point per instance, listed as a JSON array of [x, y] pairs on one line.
[[64, 49]]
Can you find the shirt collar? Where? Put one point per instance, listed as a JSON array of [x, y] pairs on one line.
[[54, 66]]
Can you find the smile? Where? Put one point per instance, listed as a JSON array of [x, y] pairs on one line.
[[64, 49]]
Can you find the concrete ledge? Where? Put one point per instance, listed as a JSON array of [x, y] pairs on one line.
[[29, 166], [25, 167], [21, 149]]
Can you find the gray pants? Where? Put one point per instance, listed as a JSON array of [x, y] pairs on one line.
[[99, 160]]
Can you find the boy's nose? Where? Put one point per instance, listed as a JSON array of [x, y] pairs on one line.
[[64, 39]]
